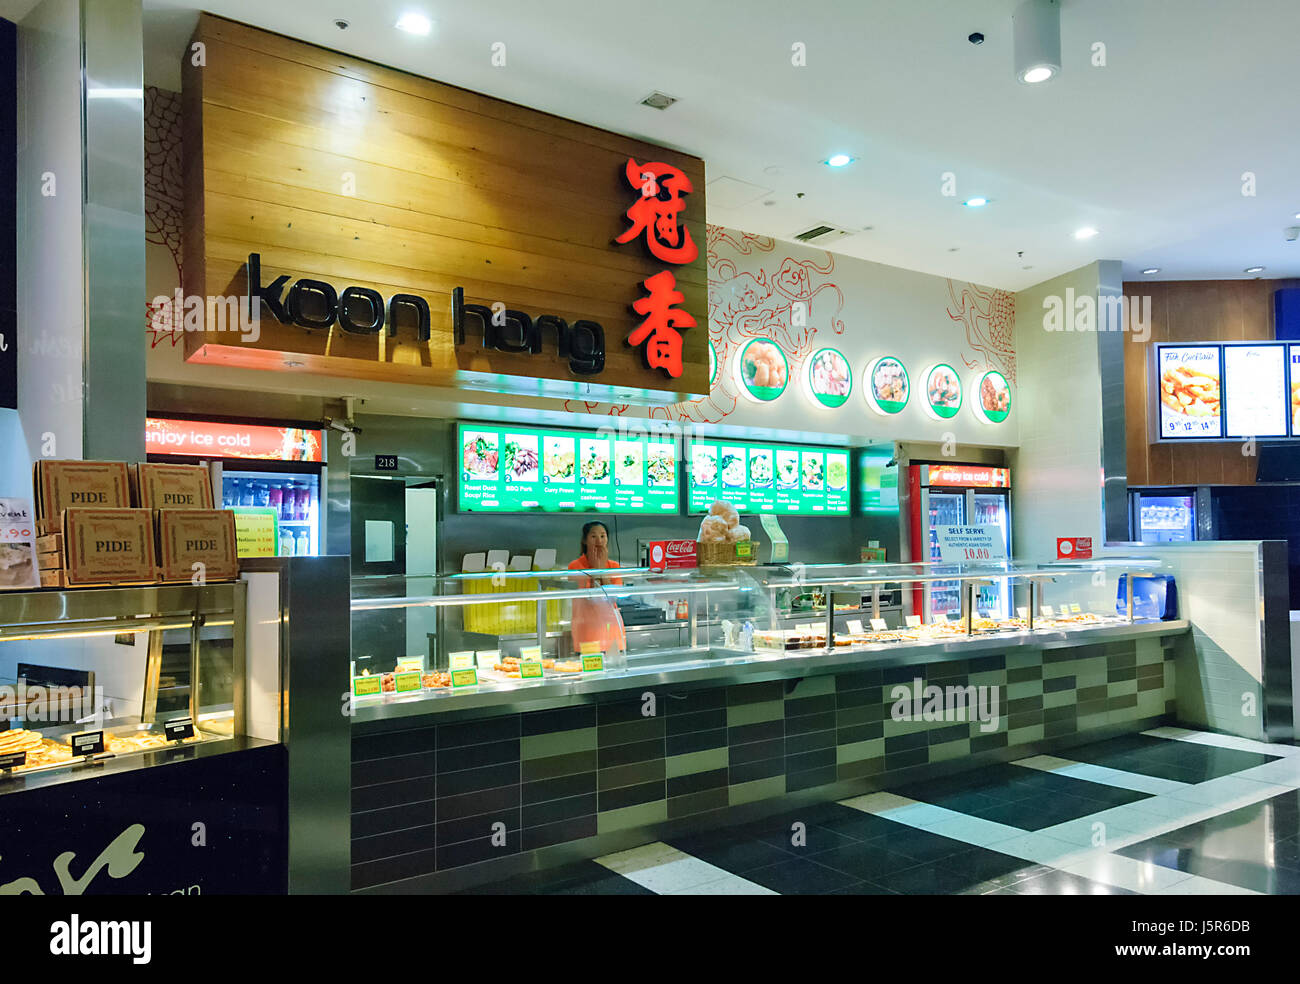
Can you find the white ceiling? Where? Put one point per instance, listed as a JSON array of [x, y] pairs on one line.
[[1149, 149]]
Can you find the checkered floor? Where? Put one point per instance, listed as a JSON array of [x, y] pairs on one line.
[[1167, 812]]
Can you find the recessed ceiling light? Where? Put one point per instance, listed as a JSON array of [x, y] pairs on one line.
[[838, 160], [1150, 270], [658, 100], [413, 23], [1297, 215], [1087, 232], [975, 202], [953, 249], [1253, 270], [1039, 73]]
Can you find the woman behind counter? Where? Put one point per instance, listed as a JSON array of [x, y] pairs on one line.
[[596, 620]]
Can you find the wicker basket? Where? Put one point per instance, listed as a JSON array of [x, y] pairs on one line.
[[724, 555]]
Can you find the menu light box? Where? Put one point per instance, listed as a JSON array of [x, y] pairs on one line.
[[1255, 392], [757, 478], [531, 469], [1188, 380]]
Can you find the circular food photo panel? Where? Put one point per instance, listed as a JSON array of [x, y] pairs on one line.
[[763, 370], [887, 387], [942, 391], [991, 397], [713, 364], [828, 378]]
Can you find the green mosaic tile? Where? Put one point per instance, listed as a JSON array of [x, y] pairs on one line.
[[1022, 673], [1149, 651], [1022, 736], [624, 732], [1054, 670], [977, 727], [693, 762], [557, 743], [846, 717], [1059, 699], [553, 766], [1090, 722], [950, 750], [1122, 702], [768, 710], [988, 678], [812, 687], [1151, 703], [1121, 687], [632, 816], [704, 800], [1029, 688], [758, 789], [632, 774], [860, 768], [893, 728], [1023, 657], [858, 750]]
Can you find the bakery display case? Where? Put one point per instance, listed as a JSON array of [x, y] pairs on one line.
[[555, 632], [93, 674]]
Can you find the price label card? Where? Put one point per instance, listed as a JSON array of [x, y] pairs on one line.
[[178, 729], [407, 681], [1046, 610], [1075, 609], [913, 621], [463, 660], [530, 652], [855, 624], [487, 658], [88, 743], [13, 760], [744, 549], [1022, 611], [592, 662], [464, 678], [407, 663], [530, 669], [366, 686], [878, 625]]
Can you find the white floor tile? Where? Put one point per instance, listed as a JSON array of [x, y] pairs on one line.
[[1284, 772], [1228, 792], [1106, 776], [877, 802], [973, 830], [1225, 741], [646, 856], [1196, 885], [1039, 849], [726, 886], [1082, 833], [1122, 872]]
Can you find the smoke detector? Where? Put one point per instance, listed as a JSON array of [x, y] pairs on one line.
[[658, 100], [821, 234]]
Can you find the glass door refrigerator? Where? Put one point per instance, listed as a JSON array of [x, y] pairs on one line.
[[1163, 515], [270, 475], [957, 495]]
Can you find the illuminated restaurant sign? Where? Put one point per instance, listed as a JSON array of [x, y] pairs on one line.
[[212, 439], [970, 476]]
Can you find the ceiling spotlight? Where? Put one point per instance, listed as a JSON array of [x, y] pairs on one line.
[[1087, 232], [1253, 270], [1150, 270], [838, 160], [1036, 40], [975, 202], [413, 23]]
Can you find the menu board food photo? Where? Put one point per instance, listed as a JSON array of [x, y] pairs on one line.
[[942, 391], [528, 469], [887, 388], [1190, 399], [773, 478]]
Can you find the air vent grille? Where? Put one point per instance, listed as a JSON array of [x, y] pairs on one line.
[[821, 233]]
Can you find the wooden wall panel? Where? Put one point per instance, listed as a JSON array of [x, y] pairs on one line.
[[1191, 311], [448, 188]]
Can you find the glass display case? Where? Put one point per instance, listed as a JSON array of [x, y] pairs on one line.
[[511, 630], [92, 673]]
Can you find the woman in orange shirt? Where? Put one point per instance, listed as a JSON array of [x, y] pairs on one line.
[[596, 619]]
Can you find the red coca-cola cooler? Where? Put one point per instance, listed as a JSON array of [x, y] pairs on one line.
[[671, 555]]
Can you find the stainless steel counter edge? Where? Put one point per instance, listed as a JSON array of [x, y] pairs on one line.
[[722, 666]]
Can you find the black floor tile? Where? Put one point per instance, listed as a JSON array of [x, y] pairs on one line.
[[1167, 758], [578, 878], [730, 851], [866, 862], [800, 876], [1061, 883]]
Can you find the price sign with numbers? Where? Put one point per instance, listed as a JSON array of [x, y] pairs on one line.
[[971, 544], [178, 729], [88, 743]]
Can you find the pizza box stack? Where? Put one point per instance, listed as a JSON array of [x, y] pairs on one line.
[[91, 532], [190, 531], [81, 487]]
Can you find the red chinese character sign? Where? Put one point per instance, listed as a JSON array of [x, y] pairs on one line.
[[656, 215], [659, 332]]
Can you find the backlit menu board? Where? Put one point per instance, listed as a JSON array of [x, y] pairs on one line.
[[532, 469], [1254, 386], [1188, 379], [785, 479]]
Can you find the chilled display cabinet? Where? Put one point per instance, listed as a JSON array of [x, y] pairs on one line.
[[958, 495], [1163, 515]]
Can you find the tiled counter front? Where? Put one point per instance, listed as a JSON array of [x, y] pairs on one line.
[[435, 797]]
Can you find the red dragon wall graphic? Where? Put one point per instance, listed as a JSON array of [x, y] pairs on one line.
[[989, 317], [164, 201]]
